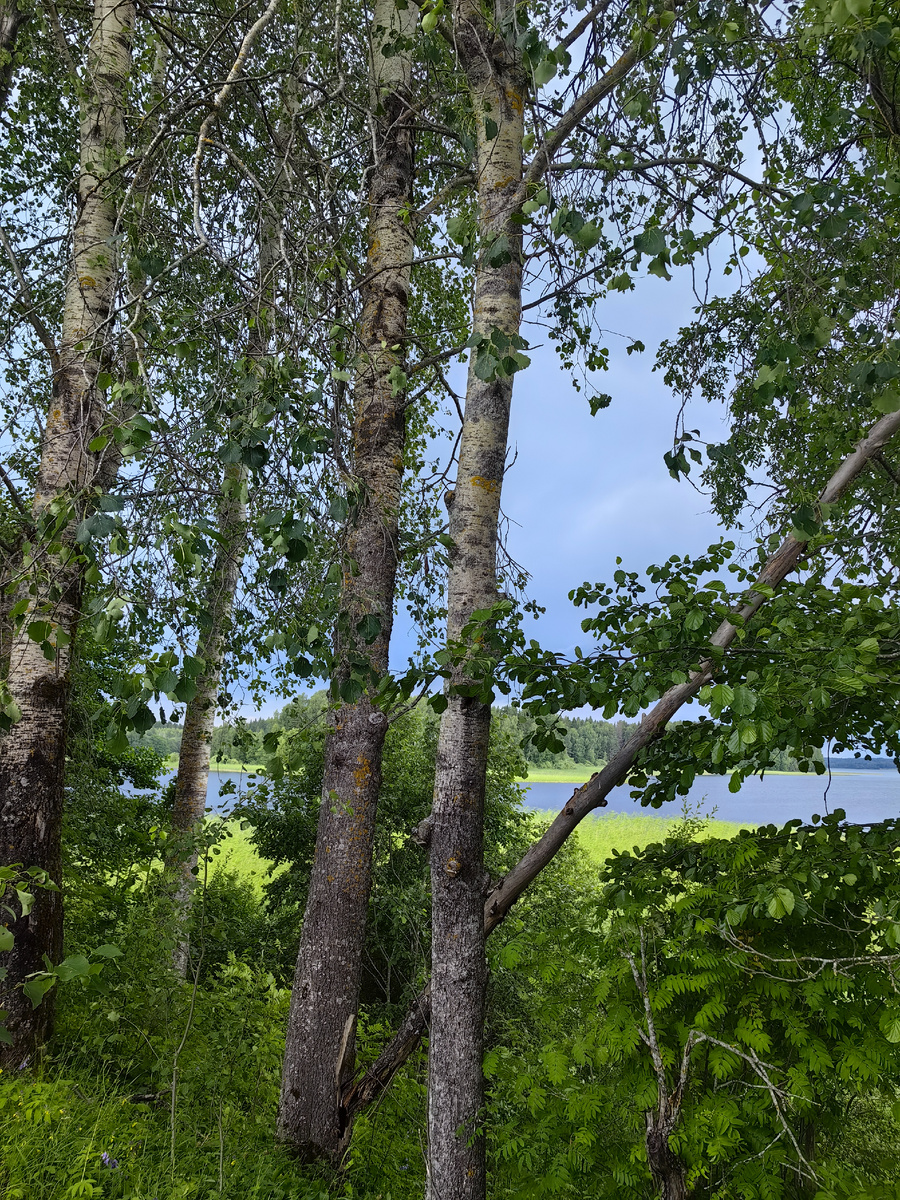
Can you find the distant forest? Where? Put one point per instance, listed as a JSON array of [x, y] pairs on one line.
[[589, 742]]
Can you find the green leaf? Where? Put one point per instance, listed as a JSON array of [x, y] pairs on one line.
[[185, 690], [544, 72], [108, 950], [26, 899], [74, 967], [889, 1023], [7, 941], [782, 903], [37, 989], [887, 402]]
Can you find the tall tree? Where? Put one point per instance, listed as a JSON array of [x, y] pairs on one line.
[[493, 59], [319, 1053], [49, 577]]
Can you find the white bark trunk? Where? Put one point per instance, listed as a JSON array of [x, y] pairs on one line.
[[32, 754], [456, 1161]]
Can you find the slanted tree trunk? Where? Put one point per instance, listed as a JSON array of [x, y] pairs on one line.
[[456, 1157], [32, 753], [192, 780], [319, 1054]]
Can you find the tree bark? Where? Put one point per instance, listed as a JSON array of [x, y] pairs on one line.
[[363, 1091], [12, 18], [319, 1053], [456, 1157], [32, 753], [667, 1171]]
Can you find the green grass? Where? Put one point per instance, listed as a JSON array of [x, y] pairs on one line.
[[598, 836], [239, 855], [579, 774], [602, 834], [227, 764]]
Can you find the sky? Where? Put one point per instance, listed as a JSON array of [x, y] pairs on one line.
[[585, 489]]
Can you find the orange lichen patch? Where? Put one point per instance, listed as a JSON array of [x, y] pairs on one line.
[[452, 867], [362, 774], [87, 281], [488, 485], [514, 100], [506, 181]]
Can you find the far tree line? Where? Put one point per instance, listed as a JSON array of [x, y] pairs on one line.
[[589, 741]]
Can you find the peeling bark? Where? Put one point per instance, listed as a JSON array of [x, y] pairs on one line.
[[319, 1053], [32, 754], [456, 1156]]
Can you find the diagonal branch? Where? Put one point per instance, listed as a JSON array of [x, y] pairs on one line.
[[359, 1093], [25, 298]]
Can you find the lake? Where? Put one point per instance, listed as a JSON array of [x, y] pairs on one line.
[[864, 795]]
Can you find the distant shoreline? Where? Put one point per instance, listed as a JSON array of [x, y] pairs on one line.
[[566, 775], [538, 775]]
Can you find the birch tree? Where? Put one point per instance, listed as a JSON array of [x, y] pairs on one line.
[[49, 576]]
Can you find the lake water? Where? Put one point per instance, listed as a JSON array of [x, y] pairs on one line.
[[864, 795]]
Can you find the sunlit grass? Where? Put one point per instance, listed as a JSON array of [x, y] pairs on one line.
[[602, 834]]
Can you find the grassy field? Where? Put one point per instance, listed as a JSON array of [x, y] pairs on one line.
[[226, 764], [580, 774], [602, 834], [237, 854], [598, 836]]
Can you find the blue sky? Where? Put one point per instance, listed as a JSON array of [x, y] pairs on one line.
[[583, 488]]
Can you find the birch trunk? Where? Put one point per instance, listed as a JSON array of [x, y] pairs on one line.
[[192, 780], [319, 1053], [456, 1158], [32, 754], [362, 1092]]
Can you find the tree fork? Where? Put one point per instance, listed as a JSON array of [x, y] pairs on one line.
[[361, 1092], [319, 1052]]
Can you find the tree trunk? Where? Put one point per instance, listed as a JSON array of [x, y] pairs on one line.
[[200, 713], [668, 1172], [12, 18], [319, 1053], [456, 1159], [364, 1091], [32, 753]]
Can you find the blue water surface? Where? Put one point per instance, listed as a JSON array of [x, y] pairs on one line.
[[864, 795]]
